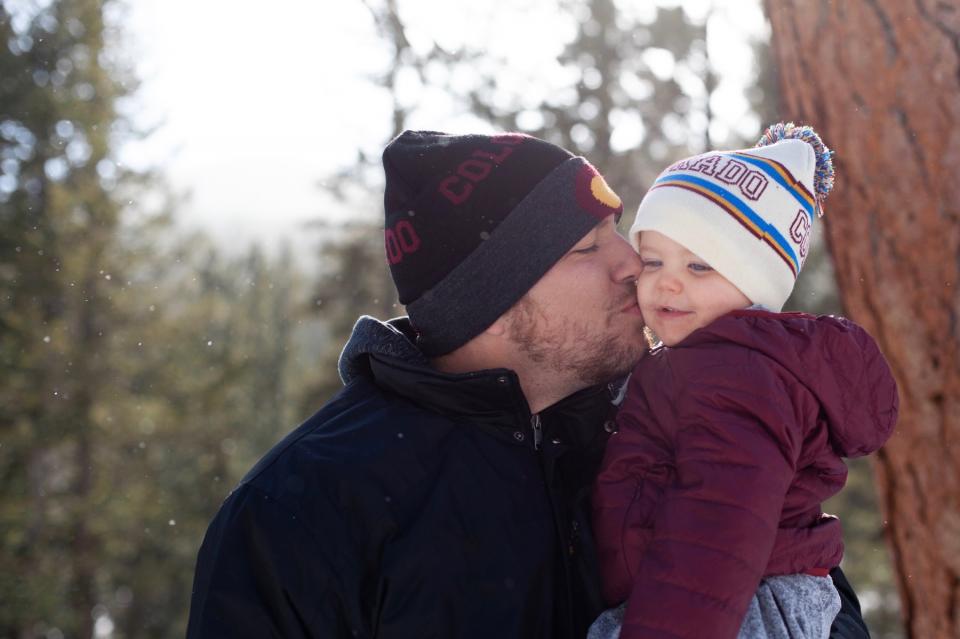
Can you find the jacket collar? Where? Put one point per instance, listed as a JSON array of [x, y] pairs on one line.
[[394, 338], [386, 352]]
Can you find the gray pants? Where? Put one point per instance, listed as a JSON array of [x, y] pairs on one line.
[[784, 607]]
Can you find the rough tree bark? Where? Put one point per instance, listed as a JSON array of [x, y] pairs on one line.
[[880, 80]]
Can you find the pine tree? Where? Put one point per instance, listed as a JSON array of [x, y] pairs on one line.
[[60, 220]]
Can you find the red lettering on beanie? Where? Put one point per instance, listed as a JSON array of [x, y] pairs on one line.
[[455, 189], [392, 246], [800, 233], [400, 240], [475, 170], [458, 188]]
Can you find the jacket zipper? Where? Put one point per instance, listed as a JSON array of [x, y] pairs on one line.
[[537, 431]]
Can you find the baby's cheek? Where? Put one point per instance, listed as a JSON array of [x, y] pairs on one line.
[[642, 288]]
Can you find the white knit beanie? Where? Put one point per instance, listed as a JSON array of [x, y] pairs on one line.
[[748, 213]]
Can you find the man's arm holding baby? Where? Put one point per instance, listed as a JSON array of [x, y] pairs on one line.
[[849, 623]]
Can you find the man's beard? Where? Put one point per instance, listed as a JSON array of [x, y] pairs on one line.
[[591, 354]]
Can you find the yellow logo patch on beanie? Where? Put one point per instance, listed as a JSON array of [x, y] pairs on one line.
[[602, 191], [594, 195]]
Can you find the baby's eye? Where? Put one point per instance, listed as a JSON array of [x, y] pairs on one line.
[[651, 263], [699, 267]]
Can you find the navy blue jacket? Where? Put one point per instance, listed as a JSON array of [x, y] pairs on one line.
[[414, 504]]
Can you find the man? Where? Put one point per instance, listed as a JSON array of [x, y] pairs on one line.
[[443, 492]]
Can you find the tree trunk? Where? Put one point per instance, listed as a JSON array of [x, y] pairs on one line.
[[880, 81]]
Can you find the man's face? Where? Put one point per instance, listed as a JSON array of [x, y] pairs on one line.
[[581, 319], [678, 291]]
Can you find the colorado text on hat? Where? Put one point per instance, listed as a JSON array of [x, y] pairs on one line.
[[752, 183], [458, 187], [401, 239]]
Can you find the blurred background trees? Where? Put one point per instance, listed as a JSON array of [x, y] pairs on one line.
[[63, 280], [145, 369], [140, 370]]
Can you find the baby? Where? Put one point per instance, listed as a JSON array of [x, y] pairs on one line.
[[707, 509]]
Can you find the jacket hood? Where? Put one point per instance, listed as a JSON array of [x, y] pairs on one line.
[[370, 336], [834, 358]]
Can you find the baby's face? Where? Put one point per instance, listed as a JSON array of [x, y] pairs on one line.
[[678, 292]]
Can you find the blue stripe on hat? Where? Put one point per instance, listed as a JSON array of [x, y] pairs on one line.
[[768, 232], [784, 178]]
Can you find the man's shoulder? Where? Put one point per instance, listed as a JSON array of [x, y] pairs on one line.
[[361, 441]]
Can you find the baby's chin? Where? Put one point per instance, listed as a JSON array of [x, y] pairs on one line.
[[676, 334], [672, 338], [675, 340]]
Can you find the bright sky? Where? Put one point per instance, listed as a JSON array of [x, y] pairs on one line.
[[256, 102]]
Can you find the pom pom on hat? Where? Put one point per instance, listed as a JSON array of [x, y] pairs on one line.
[[823, 174]]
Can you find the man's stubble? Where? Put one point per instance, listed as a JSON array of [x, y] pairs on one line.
[[572, 348]]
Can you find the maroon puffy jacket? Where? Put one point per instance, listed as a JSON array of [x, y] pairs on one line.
[[728, 443]]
